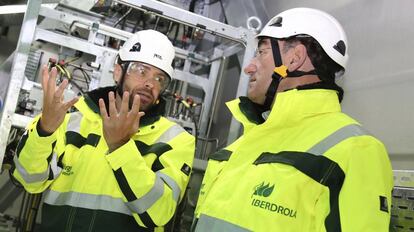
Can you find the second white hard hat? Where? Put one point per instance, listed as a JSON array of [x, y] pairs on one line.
[[306, 21], [151, 47]]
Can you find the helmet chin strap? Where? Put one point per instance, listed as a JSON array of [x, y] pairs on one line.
[[280, 71]]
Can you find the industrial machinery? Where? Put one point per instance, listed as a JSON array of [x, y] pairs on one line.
[[81, 39], [83, 45]]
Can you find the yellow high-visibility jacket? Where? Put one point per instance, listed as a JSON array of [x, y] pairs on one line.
[[134, 188], [248, 114], [308, 167]]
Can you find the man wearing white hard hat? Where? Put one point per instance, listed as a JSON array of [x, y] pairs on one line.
[[301, 164], [115, 164]]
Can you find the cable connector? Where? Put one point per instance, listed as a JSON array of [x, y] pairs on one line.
[[95, 65]]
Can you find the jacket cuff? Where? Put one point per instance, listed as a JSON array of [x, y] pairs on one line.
[[40, 136], [123, 155], [40, 131]]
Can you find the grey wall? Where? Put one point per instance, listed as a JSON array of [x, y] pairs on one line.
[[380, 76]]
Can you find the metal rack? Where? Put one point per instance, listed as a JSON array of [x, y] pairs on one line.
[[402, 209], [17, 72], [243, 42]]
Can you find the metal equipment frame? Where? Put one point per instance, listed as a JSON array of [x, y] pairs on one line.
[[402, 210], [31, 31]]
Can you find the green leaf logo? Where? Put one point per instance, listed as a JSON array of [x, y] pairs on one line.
[[263, 190], [257, 188], [268, 191]]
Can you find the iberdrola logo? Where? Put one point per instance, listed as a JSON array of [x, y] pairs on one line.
[[263, 190]]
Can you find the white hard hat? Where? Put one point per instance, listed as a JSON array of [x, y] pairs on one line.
[[151, 47], [321, 26]]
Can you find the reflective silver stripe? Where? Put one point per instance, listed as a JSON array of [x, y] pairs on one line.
[[108, 203], [171, 183], [30, 178], [170, 133], [74, 122], [145, 202], [53, 165], [265, 115], [335, 138], [207, 224], [88, 201]]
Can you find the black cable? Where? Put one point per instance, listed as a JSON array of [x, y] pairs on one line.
[[136, 24], [77, 86], [191, 9], [177, 28], [178, 112], [192, 6], [69, 80], [124, 21], [224, 13], [144, 24], [84, 73], [123, 17], [85, 76], [71, 25], [193, 118]]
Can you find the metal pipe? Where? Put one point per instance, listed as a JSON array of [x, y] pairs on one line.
[[17, 72], [214, 103], [123, 17], [218, 83], [217, 33], [215, 140]]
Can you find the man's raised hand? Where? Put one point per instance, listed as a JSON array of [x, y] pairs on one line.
[[54, 107], [120, 125]]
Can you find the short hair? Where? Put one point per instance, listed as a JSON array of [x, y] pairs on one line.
[[325, 67]]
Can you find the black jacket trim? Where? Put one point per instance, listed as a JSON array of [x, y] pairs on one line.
[[158, 149], [124, 186], [251, 110], [78, 140], [319, 168], [221, 155]]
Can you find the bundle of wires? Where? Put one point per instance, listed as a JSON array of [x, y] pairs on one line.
[[62, 67], [65, 72]]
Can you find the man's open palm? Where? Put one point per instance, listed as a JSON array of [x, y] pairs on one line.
[[54, 107]]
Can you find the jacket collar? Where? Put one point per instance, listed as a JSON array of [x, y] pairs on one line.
[[245, 111], [292, 106], [92, 103]]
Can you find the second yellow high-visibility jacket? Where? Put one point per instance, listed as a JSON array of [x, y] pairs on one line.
[[134, 188], [248, 114], [308, 167]]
